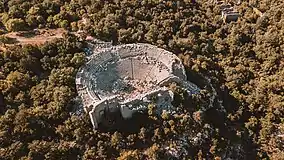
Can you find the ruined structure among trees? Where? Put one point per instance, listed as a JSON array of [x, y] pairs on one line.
[[127, 78], [228, 11]]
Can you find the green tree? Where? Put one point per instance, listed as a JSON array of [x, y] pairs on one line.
[[15, 24]]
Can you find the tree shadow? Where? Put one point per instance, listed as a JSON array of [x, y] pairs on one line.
[[129, 126], [195, 78], [228, 128], [2, 104], [8, 40]]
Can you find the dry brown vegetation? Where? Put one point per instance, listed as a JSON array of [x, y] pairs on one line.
[[244, 61]]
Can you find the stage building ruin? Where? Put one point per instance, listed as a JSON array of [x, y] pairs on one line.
[[127, 78]]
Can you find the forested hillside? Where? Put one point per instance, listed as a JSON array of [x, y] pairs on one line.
[[244, 61]]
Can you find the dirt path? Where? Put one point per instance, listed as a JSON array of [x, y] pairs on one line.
[[35, 37]]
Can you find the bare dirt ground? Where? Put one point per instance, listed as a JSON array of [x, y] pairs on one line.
[[35, 37]]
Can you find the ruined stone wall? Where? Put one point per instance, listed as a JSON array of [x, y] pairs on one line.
[[162, 97], [99, 109]]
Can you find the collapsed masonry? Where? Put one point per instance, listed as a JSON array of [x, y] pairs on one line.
[[127, 78]]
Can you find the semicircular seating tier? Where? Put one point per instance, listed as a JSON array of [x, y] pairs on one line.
[[128, 72]]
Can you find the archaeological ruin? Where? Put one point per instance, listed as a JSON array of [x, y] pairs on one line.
[[127, 78]]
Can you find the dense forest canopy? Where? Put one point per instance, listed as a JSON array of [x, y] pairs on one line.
[[244, 61]]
